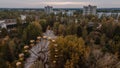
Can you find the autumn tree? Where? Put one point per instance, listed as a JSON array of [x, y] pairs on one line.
[[43, 24], [71, 52], [79, 31], [33, 30], [19, 27], [61, 29], [4, 32], [55, 27], [71, 29]]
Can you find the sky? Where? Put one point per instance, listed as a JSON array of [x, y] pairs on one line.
[[58, 3]]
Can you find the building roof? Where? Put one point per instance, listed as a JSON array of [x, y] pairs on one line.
[[8, 21], [48, 7], [90, 6]]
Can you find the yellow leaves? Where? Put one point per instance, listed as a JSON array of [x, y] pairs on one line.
[[11, 45], [74, 60], [69, 64], [33, 30], [71, 43], [42, 20], [87, 53], [61, 29], [70, 49], [4, 40], [36, 24]]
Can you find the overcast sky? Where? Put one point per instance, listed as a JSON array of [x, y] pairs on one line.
[[58, 3]]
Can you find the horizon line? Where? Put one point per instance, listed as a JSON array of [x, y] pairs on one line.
[[53, 8]]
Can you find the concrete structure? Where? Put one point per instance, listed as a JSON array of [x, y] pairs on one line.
[[89, 10], [2, 24], [8, 23], [48, 9], [107, 14]]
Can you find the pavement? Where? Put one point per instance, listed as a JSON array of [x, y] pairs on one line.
[[40, 51]]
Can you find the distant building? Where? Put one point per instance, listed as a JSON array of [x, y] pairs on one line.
[[107, 14], [70, 13], [89, 10], [64, 12], [59, 11], [23, 18], [56, 12], [48, 9]]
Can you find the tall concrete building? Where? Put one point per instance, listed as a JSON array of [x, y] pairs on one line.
[[89, 10], [48, 9]]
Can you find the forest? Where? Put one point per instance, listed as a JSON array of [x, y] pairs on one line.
[[82, 41]]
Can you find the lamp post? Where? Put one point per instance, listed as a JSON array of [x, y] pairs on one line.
[[18, 64], [21, 56], [55, 62], [32, 43], [38, 39], [38, 48]]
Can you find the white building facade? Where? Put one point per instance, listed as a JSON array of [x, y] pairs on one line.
[[48, 9], [2, 24], [89, 10]]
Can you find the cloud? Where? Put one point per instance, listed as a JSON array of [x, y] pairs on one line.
[[60, 3]]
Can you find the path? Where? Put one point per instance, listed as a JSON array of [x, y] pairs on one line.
[[41, 46]]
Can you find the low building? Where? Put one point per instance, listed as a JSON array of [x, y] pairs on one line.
[[8, 23], [59, 11], [107, 14], [70, 13]]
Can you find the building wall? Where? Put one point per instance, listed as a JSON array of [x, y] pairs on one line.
[[87, 10], [48, 9]]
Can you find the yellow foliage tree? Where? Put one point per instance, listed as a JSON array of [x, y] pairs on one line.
[[71, 52]]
